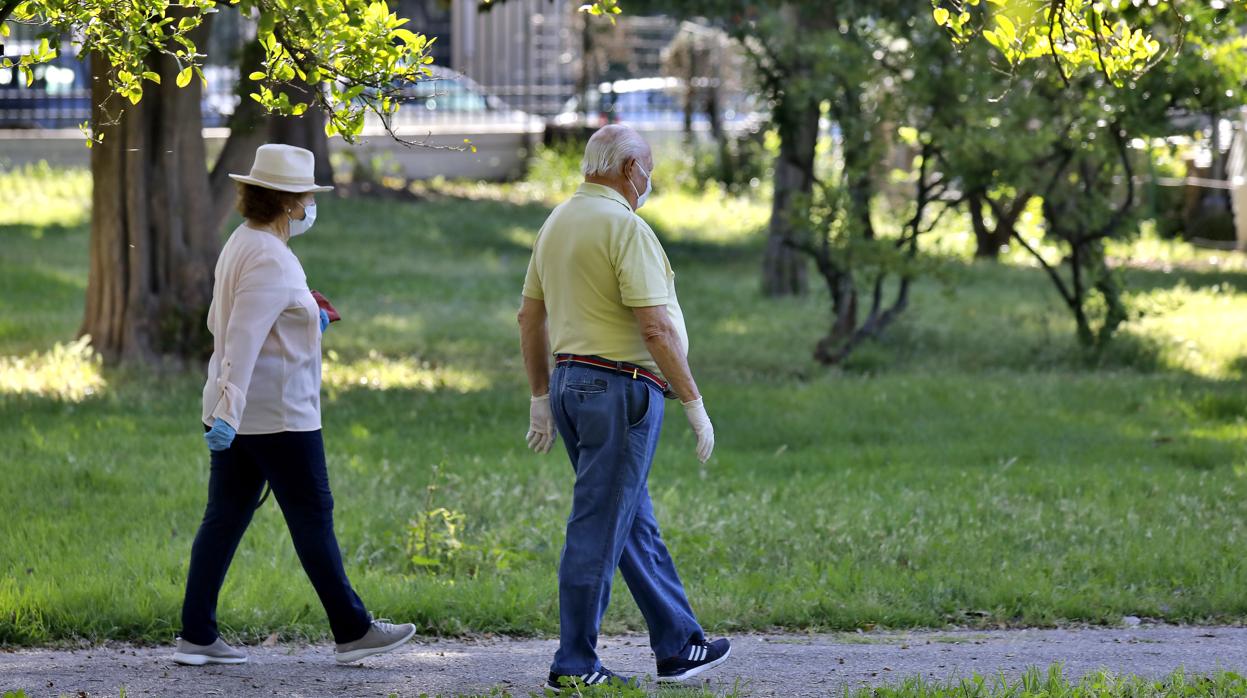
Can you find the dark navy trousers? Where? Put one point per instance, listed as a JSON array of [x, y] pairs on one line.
[[293, 464]]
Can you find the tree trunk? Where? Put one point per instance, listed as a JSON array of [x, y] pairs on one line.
[[983, 247], [690, 93], [152, 250], [714, 114], [248, 128], [784, 268], [157, 213], [989, 240]]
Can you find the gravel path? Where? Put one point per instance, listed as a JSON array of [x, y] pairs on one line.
[[765, 665]]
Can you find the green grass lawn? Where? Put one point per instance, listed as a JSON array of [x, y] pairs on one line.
[[974, 468]]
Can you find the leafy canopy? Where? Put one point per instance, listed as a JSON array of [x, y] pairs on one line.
[[1104, 36]]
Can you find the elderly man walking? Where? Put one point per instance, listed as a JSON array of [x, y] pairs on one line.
[[600, 296]]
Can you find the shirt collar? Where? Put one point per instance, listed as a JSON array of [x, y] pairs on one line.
[[603, 191]]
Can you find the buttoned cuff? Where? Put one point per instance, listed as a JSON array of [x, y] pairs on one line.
[[230, 405]]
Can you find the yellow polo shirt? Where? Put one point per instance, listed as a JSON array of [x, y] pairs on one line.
[[593, 261]]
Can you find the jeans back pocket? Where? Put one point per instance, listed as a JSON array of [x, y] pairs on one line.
[[587, 386]]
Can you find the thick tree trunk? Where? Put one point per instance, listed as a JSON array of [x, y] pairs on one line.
[[157, 213], [784, 268], [152, 249], [248, 129]]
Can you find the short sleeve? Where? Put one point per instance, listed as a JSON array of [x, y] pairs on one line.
[[532, 282], [642, 268]]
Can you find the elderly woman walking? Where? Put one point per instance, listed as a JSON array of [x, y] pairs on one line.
[[261, 414]]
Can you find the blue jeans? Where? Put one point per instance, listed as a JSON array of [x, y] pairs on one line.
[[610, 425], [293, 463]]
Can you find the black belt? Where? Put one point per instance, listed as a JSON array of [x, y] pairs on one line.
[[619, 367]]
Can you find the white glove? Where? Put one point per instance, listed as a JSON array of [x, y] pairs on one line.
[[700, 421], [541, 433]]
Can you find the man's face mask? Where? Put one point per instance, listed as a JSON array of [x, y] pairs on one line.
[[641, 196]]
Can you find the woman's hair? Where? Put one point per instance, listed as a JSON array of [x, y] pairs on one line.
[[264, 205]]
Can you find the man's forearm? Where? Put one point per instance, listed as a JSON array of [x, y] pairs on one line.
[[535, 346], [668, 353]]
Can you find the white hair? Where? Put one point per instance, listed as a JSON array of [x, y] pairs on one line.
[[609, 148]]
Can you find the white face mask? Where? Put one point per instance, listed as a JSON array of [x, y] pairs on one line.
[[641, 197], [298, 227]]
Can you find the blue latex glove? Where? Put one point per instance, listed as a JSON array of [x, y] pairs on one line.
[[324, 320], [220, 436]]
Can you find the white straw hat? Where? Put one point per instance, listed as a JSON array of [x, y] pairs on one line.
[[284, 168]]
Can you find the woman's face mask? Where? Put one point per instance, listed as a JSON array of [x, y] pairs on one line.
[[641, 196], [302, 225]]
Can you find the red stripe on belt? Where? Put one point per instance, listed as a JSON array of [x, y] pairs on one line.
[[621, 367]]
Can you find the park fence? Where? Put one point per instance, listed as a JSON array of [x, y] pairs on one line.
[[500, 66]]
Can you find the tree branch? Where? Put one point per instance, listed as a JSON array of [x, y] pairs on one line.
[[1052, 272], [7, 9], [1058, 10]]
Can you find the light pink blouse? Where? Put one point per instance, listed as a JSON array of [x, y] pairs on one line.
[[264, 374]]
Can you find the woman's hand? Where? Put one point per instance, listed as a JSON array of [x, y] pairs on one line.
[[324, 320], [220, 436]]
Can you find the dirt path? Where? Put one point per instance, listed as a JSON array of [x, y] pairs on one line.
[[764, 665]]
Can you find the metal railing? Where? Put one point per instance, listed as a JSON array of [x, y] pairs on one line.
[[520, 65]]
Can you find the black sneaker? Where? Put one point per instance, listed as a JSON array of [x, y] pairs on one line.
[[557, 682], [696, 657]]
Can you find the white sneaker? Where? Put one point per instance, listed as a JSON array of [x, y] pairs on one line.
[[381, 637], [198, 655]]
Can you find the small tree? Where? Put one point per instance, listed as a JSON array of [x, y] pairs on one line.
[[1066, 138]]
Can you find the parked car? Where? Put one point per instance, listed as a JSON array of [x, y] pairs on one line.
[[451, 99], [448, 109], [650, 104]]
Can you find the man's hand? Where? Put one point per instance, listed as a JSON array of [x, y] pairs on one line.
[[541, 432], [700, 421]]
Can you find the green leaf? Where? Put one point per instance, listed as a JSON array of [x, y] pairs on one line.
[[257, 76], [298, 109], [941, 16], [267, 22], [184, 76], [1008, 32], [409, 37], [4, 29]]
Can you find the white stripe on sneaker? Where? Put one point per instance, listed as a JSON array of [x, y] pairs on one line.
[[701, 653], [591, 679]]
